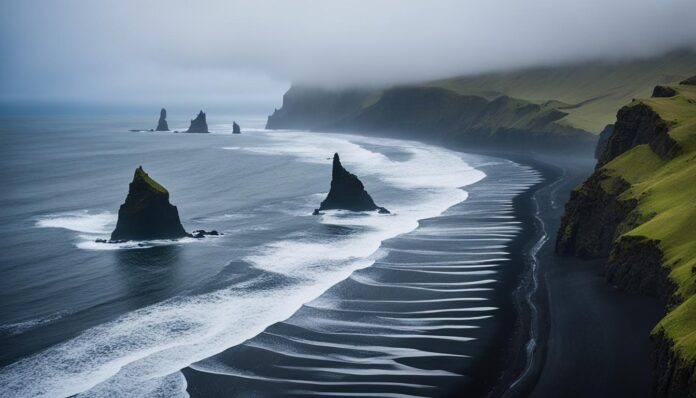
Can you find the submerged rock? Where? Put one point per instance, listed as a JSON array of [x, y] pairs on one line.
[[147, 214], [201, 233], [162, 124], [199, 124], [235, 128], [347, 192]]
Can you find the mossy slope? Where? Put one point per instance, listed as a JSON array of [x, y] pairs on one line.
[[653, 249]]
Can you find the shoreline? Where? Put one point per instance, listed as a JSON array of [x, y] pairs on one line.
[[593, 339]]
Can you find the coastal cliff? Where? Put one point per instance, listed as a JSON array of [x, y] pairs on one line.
[[431, 113], [147, 214], [638, 210]]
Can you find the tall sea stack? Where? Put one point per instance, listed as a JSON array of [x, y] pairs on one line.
[[162, 124], [147, 213], [235, 128], [198, 125], [347, 192]]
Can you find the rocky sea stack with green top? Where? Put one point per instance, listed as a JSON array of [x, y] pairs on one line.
[[147, 213], [347, 192]]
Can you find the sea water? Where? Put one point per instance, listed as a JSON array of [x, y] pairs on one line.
[[78, 316]]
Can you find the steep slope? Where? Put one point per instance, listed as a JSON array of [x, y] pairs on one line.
[[590, 93], [559, 108], [639, 209], [431, 113]]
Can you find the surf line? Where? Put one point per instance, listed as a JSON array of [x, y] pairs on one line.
[[533, 281]]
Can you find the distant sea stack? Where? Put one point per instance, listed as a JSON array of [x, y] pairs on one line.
[[147, 213], [347, 192], [162, 124], [198, 125], [235, 128]]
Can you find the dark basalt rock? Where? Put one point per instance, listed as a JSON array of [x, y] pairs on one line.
[[663, 92], [236, 129], [147, 213], [689, 82], [636, 125], [635, 265], [594, 216], [162, 124], [603, 138], [199, 124], [674, 375], [347, 192], [199, 233]]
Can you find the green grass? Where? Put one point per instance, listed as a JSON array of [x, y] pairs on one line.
[[590, 93], [666, 194], [142, 175]]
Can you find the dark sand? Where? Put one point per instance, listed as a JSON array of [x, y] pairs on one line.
[[594, 339]]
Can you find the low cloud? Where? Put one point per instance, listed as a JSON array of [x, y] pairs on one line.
[[252, 50]]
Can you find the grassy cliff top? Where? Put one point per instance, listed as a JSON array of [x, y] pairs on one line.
[[666, 194], [590, 93], [141, 175]]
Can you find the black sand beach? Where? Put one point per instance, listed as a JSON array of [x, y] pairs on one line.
[[586, 333], [593, 339]]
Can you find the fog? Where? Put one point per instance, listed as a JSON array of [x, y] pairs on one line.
[[251, 51]]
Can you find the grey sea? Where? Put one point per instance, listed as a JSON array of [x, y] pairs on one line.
[[416, 303]]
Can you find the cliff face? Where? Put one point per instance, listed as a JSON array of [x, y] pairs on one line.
[[347, 192], [236, 129], [675, 375], [162, 123], [147, 213], [431, 113], [199, 124], [635, 125], [638, 209], [316, 108], [594, 216]]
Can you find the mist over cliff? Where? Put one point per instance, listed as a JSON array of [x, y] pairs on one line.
[[250, 51]]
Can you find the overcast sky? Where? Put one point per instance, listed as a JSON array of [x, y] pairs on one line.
[[251, 51]]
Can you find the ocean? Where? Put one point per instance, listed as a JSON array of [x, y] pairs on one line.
[[413, 303]]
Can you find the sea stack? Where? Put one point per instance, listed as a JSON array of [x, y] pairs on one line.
[[147, 213], [198, 125], [347, 192], [235, 128], [162, 124]]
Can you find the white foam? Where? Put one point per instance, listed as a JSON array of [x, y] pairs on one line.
[[141, 352], [92, 226]]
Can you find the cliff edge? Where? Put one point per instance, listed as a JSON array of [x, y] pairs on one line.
[[638, 209]]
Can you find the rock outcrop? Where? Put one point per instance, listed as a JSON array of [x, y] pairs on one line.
[[236, 129], [689, 82], [663, 92], [147, 214], [593, 217], [638, 124], [162, 123], [199, 124], [635, 265], [347, 192], [603, 138], [675, 376]]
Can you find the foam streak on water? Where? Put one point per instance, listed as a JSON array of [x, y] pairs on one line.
[[140, 352]]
